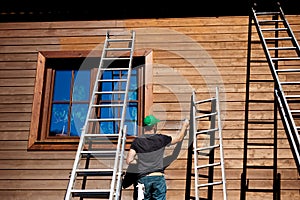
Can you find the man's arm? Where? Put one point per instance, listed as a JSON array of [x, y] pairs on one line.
[[180, 135], [130, 156]]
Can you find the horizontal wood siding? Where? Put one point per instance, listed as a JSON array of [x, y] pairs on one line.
[[188, 53]]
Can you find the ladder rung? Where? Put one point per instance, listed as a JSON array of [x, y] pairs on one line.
[[209, 184], [117, 49], [94, 172], [292, 96], [282, 48], [100, 136], [107, 105], [206, 131], [285, 59], [101, 153], [278, 38], [113, 69], [266, 22], [295, 111], [208, 165], [112, 80], [91, 193], [274, 29], [110, 92], [267, 13], [204, 101], [290, 83], [288, 70], [207, 115], [104, 120], [119, 40], [208, 147], [115, 58]]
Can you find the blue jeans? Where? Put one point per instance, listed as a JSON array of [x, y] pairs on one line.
[[155, 187]]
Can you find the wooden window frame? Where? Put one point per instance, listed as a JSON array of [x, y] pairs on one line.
[[37, 139]]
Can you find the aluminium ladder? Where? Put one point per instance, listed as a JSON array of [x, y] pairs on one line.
[[98, 165], [205, 143], [282, 54]]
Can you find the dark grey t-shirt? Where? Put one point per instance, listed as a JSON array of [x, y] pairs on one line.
[[150, 151]]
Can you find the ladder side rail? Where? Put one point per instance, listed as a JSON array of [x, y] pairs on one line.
[[267, 54], [284, 102], [112, 190], [190, 152], [212, 142], [95, 85], [276, 79], [289, 30], [120, 171], [221, 145], [195, 147], [292, 136], [83, 131]]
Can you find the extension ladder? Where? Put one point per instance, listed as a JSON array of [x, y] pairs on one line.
[[98, 165], [204, 144], [282, 54]]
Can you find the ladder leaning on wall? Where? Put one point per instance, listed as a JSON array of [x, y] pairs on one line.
[[282, 53], [204, 145], [98, 165]]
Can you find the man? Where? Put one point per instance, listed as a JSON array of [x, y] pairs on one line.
[[149, 150]]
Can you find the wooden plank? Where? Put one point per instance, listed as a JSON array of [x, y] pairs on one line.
[[15, 108], [32, 194], [13, 99], [35, 155], [14, 126], [16, 90], [17, 65], [14, 135], [17, 74], [15, 117], [17, 82]]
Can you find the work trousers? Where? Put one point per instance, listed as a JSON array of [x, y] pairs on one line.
[[155, 187]]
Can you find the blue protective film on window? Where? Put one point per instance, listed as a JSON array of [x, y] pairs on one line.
[[78, 116], [108, 127], [59, 119], [81, 88], [132, 95], [131, 119], [62, 85]]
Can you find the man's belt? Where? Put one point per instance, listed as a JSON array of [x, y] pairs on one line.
[[155, 174]]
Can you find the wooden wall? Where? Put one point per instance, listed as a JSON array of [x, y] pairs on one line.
[[188, 53]]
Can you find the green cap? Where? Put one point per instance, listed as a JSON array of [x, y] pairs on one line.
[[150, 120]]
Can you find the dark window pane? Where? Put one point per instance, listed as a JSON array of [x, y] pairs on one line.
[[62, 85], [59, 119]]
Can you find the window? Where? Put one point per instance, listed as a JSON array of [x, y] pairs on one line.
[[63, 88]]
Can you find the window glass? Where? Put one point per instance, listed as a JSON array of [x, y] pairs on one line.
[[111, 127], [69, 109], [62, 85]]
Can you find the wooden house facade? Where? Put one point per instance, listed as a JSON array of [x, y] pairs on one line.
[[181, 55]]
